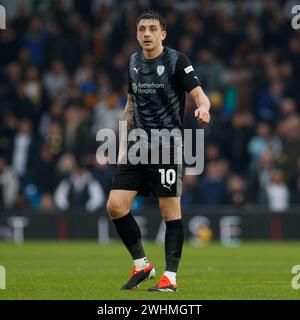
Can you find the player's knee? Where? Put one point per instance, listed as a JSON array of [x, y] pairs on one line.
[[165, 210], [111, 208], [169, 212], [115, 208]]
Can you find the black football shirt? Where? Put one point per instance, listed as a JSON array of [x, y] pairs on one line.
[[159, 86]]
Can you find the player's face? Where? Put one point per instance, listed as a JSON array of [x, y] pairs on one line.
[[149, 34]]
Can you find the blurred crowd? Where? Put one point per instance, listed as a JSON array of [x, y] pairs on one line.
[[63, 76]]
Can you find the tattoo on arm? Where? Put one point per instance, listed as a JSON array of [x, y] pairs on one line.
[[127, 116], [129, 109]]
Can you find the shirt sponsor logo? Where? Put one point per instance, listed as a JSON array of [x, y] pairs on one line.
[[146, 88], [188, 69]]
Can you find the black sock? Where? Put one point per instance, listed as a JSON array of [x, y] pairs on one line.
[[173, 244], [130, 233]]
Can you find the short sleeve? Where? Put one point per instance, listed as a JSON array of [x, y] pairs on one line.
[[185, 74]]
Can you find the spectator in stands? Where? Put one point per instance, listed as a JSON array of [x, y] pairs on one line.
[[23, 149], [209, 70], [64, 69], [35, 92], [240, 135], [54, 138], [79, 191], [262, 176], [294, 184], [190, 190], [34, 39], [77, 128], [13, 73], [289, 131], [277, 193], [55, 114], [288, 109], [33, 86], [263, 142], [23, 106], [269, 101], [102, 172], [236, 193], [43, 173], [47, 203], [66, 164], [212, 152], [295, 191], [9, 185], [56, 80], [108, 113], [212, 184]]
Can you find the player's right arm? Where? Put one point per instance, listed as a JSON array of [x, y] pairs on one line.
[[127, 116], [129, 109]]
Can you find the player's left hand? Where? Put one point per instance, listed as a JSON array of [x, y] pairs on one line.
[[202, 115]]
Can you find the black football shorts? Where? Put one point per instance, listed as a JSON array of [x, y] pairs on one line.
[[162, 180]]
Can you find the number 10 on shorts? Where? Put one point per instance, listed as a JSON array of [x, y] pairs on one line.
[[167, 176]]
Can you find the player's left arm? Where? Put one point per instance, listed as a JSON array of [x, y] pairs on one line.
[[187, 79]]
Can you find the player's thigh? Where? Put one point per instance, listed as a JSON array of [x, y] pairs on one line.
[[127, 177], [126, 182], [119, 202], [170, 208]]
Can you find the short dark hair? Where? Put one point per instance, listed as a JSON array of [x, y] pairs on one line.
[[152, 15]]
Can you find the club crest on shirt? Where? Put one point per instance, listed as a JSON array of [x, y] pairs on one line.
[[160, 70]]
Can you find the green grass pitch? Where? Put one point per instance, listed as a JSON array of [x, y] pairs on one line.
[[87, 270]]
